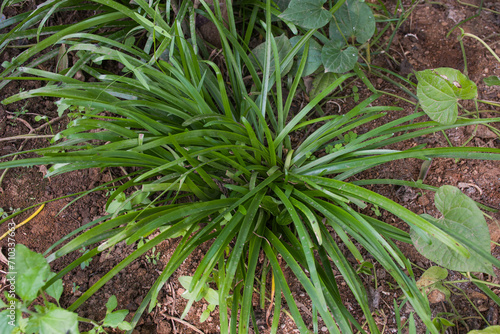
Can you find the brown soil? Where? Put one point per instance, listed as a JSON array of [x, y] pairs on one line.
[[419, 44]]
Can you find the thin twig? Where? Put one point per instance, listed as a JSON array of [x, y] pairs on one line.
[[26, 140], [182, 322], [26, 137], [28, 125]]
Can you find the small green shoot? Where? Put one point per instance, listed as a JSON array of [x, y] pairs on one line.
[[154, 257], [209, 294], [85, 263], [376, 210], [365, 267]]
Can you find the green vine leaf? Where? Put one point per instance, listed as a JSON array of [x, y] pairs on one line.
[[56, 289], [308, 14], [338, 60], [432, 276], [492, 81], [313, 61], [354, 19], [282, 44], [440, 89], [488, 330], [33, 272], [113, 319], [56, 321], [464, 88], [321, 82], [462, 215], [5, 327]]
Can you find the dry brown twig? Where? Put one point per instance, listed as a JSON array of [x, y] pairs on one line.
[[32, 130], [185, 323]]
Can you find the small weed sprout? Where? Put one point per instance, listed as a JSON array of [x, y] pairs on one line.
[[85, 263]]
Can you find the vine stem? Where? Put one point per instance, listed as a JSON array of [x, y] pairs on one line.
[[482, 42]]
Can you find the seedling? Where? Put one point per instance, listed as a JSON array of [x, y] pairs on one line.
[[442, 324], [22, 111], [209, 294], [154, 257], [376, 210], [3, 214], [365, 267], [85, 263]]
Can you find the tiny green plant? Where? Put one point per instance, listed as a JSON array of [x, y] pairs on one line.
[[376, 210], [365, 267], [21, 111], [207, 293], [154, 257], [113, 319], [85, 263], [75, 288], [3, 214], [442, 323]]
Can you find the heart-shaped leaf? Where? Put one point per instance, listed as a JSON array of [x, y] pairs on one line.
[[56, 289], [308, 14], [33, 272], [282, 44], [432, 276], [354, 19], [464, 88], [439, 90], [338, 60], [313, 61], [111, 304], [114, 318], [488, 330], [56, 321], [462, 215], [492, 81], [321, 82]]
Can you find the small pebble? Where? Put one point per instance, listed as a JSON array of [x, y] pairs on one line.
[[486, 70], [324, 329]]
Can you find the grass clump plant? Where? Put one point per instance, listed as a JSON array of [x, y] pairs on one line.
[[212, 157]]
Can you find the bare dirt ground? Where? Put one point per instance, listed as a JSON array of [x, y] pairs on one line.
[[419, 44]]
